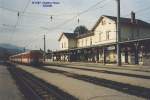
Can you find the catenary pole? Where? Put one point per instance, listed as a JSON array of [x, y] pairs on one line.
[[118, 34]]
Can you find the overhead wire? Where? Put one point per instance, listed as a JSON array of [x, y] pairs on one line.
[[18, 19], [72, 18], [61, 14], [36, 13], [139, 11], [22, 12], [77, 15], [8, 9], [80, 13]]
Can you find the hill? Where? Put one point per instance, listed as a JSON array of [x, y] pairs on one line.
[[7, 49]]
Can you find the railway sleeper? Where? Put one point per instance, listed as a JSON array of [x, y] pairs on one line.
[[39, 91]]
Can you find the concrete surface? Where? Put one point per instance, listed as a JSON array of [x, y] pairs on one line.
[[8, 88]]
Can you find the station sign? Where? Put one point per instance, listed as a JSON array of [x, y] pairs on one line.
[[45, 3], [111, 48]]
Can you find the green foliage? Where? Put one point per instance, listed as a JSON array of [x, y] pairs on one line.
[[80, 30]]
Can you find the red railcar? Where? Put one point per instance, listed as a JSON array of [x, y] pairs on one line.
[[30, 57]]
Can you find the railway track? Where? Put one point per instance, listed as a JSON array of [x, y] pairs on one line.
[[34, 88], [108, 72], [64, 65], [122, 87]]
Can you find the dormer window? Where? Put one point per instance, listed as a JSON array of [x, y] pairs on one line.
[[103, 22]]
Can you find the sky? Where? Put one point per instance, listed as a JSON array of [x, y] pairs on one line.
[[24, 24]]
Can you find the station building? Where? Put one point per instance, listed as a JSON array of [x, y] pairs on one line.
[[99, 44]]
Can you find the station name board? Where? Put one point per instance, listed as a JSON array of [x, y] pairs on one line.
[[45, 3]]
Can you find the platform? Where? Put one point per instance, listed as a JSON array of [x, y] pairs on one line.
[[8, 87], [80, 89]]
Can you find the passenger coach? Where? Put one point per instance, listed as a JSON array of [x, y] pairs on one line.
[[33, 57]]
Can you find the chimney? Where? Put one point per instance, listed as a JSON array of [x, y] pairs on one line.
[[133, 17]]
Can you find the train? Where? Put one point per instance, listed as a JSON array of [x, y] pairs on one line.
[[33, 57]]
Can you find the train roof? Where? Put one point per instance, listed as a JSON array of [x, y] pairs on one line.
[[27, 52]]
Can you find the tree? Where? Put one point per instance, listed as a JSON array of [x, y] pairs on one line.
[[49, 51], [80, 30]]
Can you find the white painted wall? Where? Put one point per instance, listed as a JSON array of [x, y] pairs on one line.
[[105, 27], [84, 42], [63, 43], [66, 43]]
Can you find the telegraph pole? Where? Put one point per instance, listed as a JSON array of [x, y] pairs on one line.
[[44, 47], [118, 34]]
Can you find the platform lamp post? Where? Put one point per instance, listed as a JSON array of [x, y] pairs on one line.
[[118, 34]]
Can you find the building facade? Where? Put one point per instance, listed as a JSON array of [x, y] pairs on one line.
[[99, 45]]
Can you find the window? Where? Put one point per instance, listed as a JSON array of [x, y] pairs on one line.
[[82, 42], [90, 40], [107, 35], [78, 43], [62, 45], [86, 41], [100, 36]]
